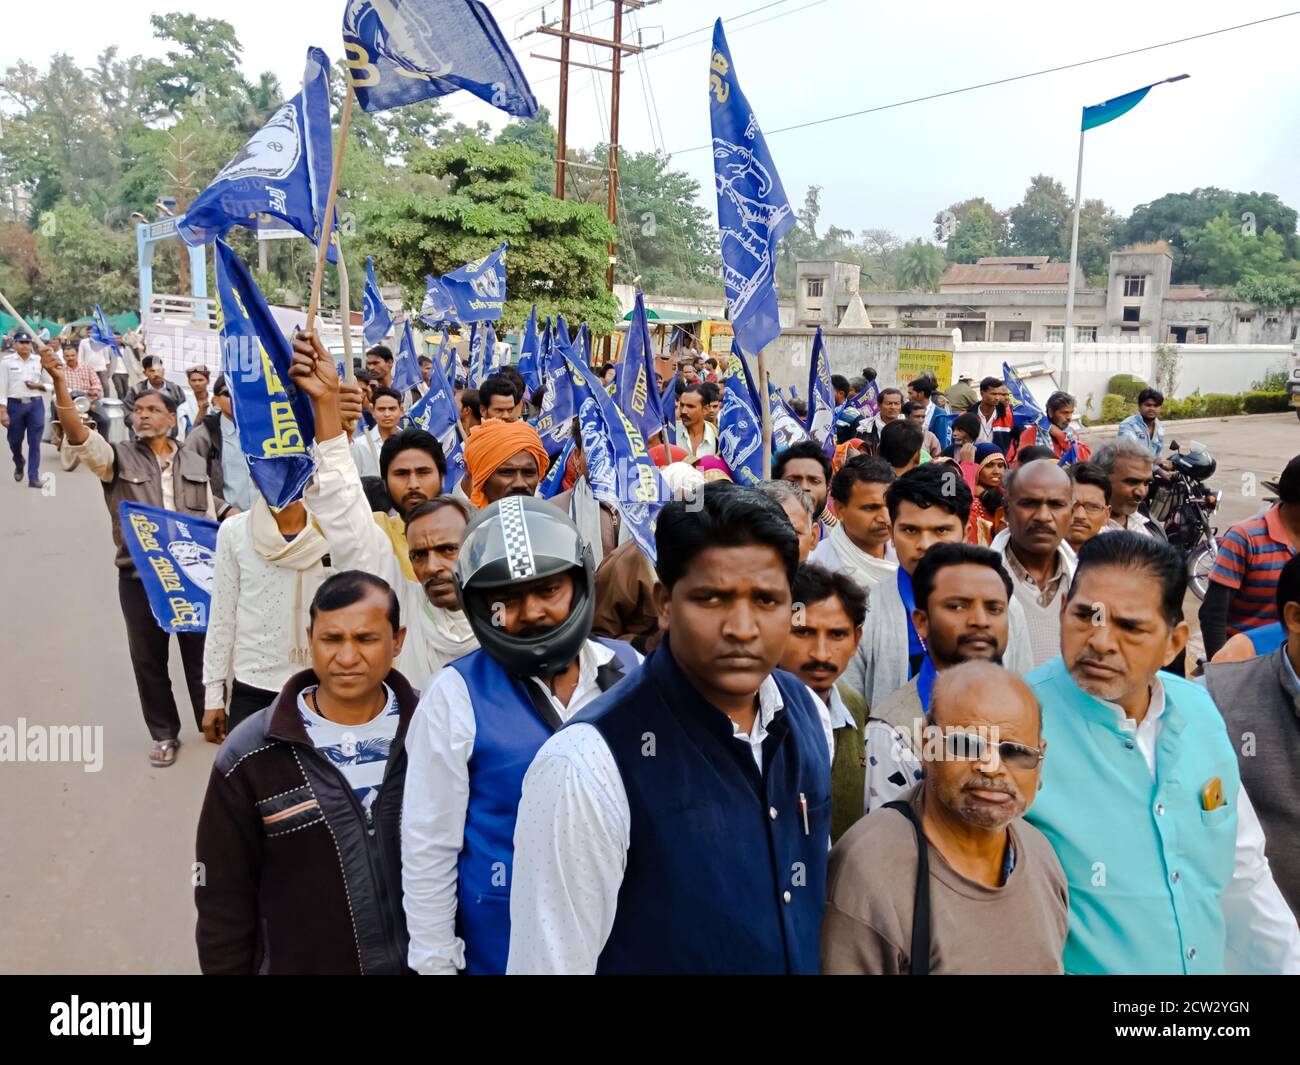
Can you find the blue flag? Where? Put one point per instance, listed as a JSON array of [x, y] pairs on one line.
[[821, 397], [1025, 409], [787, 429], [582, 345], [753, 212], [476, 370], [474, 293], [553, 483], [619, 468], [740, 427], [668, 404], [528, 352], [866, 402], [436, 412], [101, 332], [404, 51], [406, 367], [1100, 114], [174, 555], [559, 402], [636, 391], [491, 358], [283, 171], [376, 321], [274, 418]]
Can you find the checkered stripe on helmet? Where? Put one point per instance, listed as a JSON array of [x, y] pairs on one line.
[[514, 535]]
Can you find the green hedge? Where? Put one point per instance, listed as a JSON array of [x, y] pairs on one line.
[[1126, 386], [1115, 408]]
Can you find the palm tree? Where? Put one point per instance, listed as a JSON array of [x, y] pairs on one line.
[[919, 266]]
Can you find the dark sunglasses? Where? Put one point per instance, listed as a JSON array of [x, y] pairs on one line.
[[973, 747]]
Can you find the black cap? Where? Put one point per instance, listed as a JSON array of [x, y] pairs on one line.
[[22, 337], [1287, 486]]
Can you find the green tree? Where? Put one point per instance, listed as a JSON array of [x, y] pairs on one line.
[[961, 210], [919, 266], [1098, 225], [974, 239], [557, 255], [201, 66], [1218, 253], [85, 263], [539, 137], [1040, 222]]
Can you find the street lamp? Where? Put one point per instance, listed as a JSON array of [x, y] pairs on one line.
[[1097, 115]]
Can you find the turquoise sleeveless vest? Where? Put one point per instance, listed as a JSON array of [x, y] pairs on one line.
[[1145, 864]]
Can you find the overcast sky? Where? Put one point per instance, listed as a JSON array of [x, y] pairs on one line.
[[1233, 124]]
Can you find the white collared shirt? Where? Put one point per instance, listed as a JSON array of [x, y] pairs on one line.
[[1262, 936], [439, 745], [571, 842], [15, 372], [708, 442]]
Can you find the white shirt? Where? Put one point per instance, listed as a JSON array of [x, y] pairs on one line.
[[839, 554], [434, 636], [571, 841], [15, 372], [359, 752], [708, 442], [365, 452], [93, 355], [1262, 936], [251, 618], [439, 744]]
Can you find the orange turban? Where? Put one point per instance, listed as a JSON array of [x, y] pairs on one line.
[[493, 444]]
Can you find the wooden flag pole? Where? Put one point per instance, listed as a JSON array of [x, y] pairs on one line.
[[22, 322], [765, 406], [328, 225]]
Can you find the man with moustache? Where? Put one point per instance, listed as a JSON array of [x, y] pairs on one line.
[[503, 459], [1167, 870], [681, 823], [527, 584], [1089, 503], [825, 629], [1034, 551], [989, 895], [963, 613], [927, 506], [437, 630]]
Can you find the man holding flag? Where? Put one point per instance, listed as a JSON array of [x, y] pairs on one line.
[[1055, 431], [155, 470]]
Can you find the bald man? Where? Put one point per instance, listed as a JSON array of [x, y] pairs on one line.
[[991, 885], [1039, 502]]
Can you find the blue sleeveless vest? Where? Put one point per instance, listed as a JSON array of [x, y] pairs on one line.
[[720, 877], [508, 734]]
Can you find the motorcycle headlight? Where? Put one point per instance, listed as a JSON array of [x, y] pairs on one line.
[[82, 404]]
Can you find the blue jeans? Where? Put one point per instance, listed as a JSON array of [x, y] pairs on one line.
[[27, 418]]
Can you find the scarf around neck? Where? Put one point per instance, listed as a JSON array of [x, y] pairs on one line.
[[299, 555]]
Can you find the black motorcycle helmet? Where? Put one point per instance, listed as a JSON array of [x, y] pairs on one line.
[[515, 540], [1195, 463]]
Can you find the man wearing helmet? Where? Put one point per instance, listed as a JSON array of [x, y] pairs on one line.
[[527, 585]]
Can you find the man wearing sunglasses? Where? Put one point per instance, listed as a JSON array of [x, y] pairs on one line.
[[1142, 799], [988, 895]]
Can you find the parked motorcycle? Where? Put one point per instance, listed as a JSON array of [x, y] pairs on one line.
[[1182, 503], [68, 460]]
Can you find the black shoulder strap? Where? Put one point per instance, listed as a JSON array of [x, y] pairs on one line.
[[921, 900], [542, 704]]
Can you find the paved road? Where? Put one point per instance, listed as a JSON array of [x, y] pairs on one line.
[[95, 874]]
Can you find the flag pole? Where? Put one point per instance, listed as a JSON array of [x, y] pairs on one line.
[[22, 322], [1068, 338], [328, 224], [765, 410]]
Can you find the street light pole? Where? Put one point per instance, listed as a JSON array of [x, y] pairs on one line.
[[1097, 115]]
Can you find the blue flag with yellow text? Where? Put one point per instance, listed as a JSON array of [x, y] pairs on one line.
[[274, 418], [559, 403], [636, 390], [753, 211], [174, 554], [437, 412], [283, 171], [740, 426], [404, 51], [474, 293]]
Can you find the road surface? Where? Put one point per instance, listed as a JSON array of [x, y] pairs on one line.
[[96, 873]]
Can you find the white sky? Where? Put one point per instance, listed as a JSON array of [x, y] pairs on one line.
[[1233, 124]]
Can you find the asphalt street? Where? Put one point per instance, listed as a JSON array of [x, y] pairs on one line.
[[96, 869]]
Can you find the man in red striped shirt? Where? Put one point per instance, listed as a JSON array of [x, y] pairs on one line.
[[1242, 593]]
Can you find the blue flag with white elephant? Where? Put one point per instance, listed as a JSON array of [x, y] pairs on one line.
[[753, 211], [437, 412], [636, 389], [273, 416], [559, 404], [821, 397], [619, 468], [283, 171], [376, 321], [174, 554], [406, 367], [474, 293], [403, 51], [740, 426]]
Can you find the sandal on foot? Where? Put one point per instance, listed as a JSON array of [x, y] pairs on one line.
[[164, 753]]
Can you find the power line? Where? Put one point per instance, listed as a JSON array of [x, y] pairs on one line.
[[1008, 80]]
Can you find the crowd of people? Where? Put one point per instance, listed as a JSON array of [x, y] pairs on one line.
[[903, 708]]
